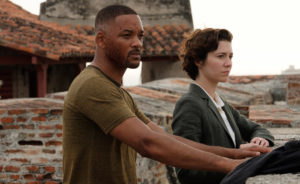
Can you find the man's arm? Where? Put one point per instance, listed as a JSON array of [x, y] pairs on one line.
[[247, 151], [164, 148]]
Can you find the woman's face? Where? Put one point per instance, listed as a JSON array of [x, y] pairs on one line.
[[217, 65]]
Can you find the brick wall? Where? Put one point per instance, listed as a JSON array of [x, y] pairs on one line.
[[293, 92], [31, 144], [30, 141]]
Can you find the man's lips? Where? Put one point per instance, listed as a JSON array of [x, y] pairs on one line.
[[135, 54]]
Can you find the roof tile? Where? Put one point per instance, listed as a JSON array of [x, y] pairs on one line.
[[164, 40], [21, 30]]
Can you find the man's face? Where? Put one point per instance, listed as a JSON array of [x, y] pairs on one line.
[[124, 40]]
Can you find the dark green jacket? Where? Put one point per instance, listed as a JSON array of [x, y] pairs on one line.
[[195, 117]]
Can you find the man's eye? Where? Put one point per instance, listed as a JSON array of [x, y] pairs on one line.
[[141, 36]]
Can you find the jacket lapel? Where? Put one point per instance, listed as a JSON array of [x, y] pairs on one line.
[[199, 93], [238, 138]]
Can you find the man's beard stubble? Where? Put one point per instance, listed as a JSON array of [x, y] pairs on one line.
[[115, 56]]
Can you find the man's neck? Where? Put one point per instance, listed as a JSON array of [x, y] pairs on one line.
[[114, 73]]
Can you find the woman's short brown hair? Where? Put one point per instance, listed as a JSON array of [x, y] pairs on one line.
[[196, 46]]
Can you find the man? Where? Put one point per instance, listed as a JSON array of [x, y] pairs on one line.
[[103, 128]]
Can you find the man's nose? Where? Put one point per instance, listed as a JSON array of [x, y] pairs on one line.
[[137, 42]]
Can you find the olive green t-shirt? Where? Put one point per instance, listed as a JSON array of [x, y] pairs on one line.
[[94, 105]]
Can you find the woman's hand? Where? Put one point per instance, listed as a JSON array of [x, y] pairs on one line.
[[259, 141]]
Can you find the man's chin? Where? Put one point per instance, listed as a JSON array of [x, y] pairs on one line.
[[133, 65]]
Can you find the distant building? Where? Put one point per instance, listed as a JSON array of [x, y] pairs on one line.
[[165, 21], [38, 57], [152, 12], [291, 71]]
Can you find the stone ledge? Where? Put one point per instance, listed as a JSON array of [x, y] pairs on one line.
[[275, 115], [275, 179]]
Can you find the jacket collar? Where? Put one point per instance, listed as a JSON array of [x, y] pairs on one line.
[[198, 92]]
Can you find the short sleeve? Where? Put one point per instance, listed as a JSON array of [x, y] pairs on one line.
[[103, 103]]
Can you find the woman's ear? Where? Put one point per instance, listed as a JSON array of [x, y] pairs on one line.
[[199, 64], [100, 39]]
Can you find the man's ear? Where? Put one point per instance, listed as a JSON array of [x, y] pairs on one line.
[[100, 39]]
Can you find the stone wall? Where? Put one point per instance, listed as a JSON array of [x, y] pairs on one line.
[[83, 12], [156, 70], [293, 93]]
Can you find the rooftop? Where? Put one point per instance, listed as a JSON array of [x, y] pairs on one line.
[[23, 31]]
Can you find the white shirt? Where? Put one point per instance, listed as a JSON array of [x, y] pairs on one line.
[[219, 104]]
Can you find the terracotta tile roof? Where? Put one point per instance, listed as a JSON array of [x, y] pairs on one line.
[[164, 40], [22, 31], [158, 41]]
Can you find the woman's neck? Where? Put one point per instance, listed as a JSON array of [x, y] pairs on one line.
[[209, 87]]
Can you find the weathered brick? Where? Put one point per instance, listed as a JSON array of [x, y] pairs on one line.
[[1, 167], [46, 127], [39, 118], [16, 111], [7, 120], [21, 119], [57, 160], [14, 177], [294, 85], [46, 135], [28, 176], [34, 182], [50, 169], [40, 111], [54, 118], [32, 168], [53, 143], [14, 151], [58, 134], [31, 126], [23, 160], [11, 168], [33, 152], [51, 182], [44, 176], [11, 127], [56, 112], [59, 127], [1, 127], [2, 111], [13, 183], [49, 151]]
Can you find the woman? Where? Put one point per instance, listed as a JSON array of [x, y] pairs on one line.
[[201, 115]]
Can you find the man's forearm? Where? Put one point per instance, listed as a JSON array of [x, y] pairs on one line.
[[221, 151], [169, 150]]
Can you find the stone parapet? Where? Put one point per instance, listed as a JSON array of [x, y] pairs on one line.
[[293, 93], [31, 129], [275, 115]]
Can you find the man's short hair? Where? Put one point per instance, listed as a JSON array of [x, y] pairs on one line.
[[110, 13]]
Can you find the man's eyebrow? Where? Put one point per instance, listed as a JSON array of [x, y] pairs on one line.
[[127, 30]]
